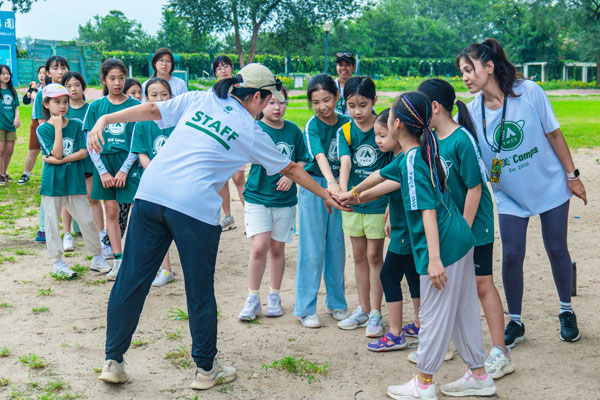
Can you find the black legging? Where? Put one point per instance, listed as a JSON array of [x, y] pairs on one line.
[[394, 268], [513, 231], [123, 216]]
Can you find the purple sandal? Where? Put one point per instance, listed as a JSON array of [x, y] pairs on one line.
[[411, 330], [388, 342]]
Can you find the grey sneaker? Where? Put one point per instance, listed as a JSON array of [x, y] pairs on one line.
[[468, 385], [112, 275], [163, 277], [68, 244], [374, 325], [311, 321], [62, 268], [218, 375], [356, 320], [227, 223], [107, 252], [99, 264], [337, 314], [498, 364], [251, 308], [113, 372], [274, 306]]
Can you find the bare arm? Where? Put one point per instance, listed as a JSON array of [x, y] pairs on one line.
[[368, 195], [78, 155], [472, 204], [560, 147], [345, 168], [372, 180], [435, 269], [57, 147], [323, 164], [144, 160]]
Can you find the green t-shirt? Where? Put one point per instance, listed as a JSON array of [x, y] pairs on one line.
[[148, 138], [117, 137], [65, 179], [418, 193], [464, 168], [366, 159], [38, 107], [320, 137], [78, 113], [7, 111], [262, 188], [399, 238]]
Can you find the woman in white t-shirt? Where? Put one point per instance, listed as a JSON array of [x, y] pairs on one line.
[[163, 64], [532, 173], [178, 199]]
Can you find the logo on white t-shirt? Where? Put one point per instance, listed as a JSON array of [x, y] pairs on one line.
[[332, 153], [7, 99], [513, 135], [446, 165], [285, 149], [159, 142], [67, 146], [116, 129], [365, 156]]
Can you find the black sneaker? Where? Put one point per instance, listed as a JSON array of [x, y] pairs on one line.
[[23, 179], [514, 333], [3, 180], [568, 327]]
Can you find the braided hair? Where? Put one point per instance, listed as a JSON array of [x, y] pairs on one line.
[[413, 109]]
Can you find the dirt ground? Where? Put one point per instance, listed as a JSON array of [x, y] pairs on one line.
[[71, 334]]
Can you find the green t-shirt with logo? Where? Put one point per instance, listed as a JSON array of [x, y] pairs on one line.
[[38, 106], [262, 188], [418, 193], [117, 137], [461, 159], [78, 113], [148, 138], [399, 238], [10, 103], [64, 179], [320, 137], [366, 159]]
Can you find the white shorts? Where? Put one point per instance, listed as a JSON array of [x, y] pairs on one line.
[[279, 221]]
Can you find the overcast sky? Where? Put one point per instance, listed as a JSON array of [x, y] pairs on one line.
[[59, 19]]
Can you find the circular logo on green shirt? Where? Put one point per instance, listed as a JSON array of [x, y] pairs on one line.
[[365, 156], [446, 165], [332, 154], [67, 147], [513, 135], [285, 149], [116, 129], [7, 99], [159, 142]]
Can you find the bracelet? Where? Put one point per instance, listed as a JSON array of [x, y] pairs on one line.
[[357, 195], [573, 179]]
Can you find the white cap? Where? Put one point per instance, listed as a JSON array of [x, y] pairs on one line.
[[54, 90]]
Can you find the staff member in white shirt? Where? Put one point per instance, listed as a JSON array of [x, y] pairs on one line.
[[163, 64], [178, 199], [532, 173]]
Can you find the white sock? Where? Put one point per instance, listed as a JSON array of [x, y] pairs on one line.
[[254, 292], [565, 307], [274, 291]]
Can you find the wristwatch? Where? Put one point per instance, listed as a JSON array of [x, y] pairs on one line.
[[574, 175]]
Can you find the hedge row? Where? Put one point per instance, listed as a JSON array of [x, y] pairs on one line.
[[199, 64]]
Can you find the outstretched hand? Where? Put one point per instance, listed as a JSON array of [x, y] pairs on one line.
[[95, 139], [333, 203], [577, 188]]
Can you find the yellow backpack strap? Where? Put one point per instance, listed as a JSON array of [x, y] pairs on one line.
[[346, 129]]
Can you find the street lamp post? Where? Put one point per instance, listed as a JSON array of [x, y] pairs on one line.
[[326, 28]]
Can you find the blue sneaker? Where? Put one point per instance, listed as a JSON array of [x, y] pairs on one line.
[[389, 342], [569, 332], [41, 237], [514, 333]]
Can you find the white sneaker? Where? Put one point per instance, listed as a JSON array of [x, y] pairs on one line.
[[227, 223], [412, 356], [68, 244], [274, 306], [218, 375], [374, 325], [411, 391], [163, 277], [356, 320], [498, 364], [107, 252], [468, 385], [99, 264], [62, 268], [338, 315], [251, 308], [311, 321], [112, 275], [113, 372]]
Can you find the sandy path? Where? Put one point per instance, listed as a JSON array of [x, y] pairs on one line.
[[71, 335]]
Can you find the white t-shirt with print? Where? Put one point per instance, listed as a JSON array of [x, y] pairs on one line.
[[178, 87], [533, 179], [212, 138]]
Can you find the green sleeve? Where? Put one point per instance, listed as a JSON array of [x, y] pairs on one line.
[[391, 172], [343, 146], [300, 152], [39, 107], [80, 137], [16, 101], [90, 118], [313, 139], [137, 144], [45, 135], [422, 194], [469, 167]]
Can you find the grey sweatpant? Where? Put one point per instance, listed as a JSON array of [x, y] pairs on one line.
[[450, 313]]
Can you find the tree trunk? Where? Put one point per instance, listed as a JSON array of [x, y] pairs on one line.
[[236, 30], [598, 72], [253, 41]]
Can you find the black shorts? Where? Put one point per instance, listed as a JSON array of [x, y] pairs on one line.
[[483, 257]]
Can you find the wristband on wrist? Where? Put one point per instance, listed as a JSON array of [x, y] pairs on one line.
[[356, 195]]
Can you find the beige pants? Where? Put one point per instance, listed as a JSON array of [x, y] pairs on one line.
[[79, 207]]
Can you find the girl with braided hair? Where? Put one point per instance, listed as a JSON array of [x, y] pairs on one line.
[[442, 245]]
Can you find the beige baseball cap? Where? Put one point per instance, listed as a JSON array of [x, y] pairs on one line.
[[257, 76]]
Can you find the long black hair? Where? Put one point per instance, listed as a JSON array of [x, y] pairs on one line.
[[50, 62], [413, 109], [9, 84], [361, 85], [225, 87], [441, 91], [75, 75], [382, 117], [107, 66], [158, 54], [490, 50], [321, 82], [158, 81]]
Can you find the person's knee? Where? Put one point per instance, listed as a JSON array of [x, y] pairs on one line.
[[277, 249], [112, 210], [375, 258], [556, 250], [239, 179]]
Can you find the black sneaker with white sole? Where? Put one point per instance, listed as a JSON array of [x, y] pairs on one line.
[[514, 333], [23, 179], [569, 332]]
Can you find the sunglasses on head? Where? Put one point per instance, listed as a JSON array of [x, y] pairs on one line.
[[278, 85], [344, 55]]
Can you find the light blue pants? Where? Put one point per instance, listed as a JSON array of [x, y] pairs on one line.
[[42, 218], [321, 252]]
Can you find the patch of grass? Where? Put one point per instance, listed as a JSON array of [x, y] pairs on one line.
[[96, 282], [89, 258], [5, 352], [291, 339], [178, 314], [81, 270], [61, 277], [55, 386], [179, 352], [4, 259], [139, 342], [301, 367], [5, 305], [180, 357], [33, 361], [69, 255], [4, 381], [45, 292], [24, 252], [174, 335], [97, 370], [38, 310]]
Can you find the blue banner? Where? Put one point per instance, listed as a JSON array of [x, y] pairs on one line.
[[8, 42]]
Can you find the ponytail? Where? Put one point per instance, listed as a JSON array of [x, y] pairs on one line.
[[464, 118], [490, 50], [226, 87]]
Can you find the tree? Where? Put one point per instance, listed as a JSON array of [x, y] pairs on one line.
[[115, 32], [586, 28], [175, 33], [255, 16], [19, 5]]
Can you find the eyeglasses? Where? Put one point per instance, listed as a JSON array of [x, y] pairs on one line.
[[274, 103], [166, 61], [278, 85], [338, 55]]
